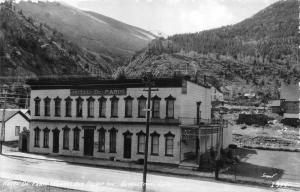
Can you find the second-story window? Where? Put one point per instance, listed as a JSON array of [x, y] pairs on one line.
[[102, 106], [47, 101], [79, 103], [170, 107], [114, 106], [156, 107], [57, 103], [128, 106], [90, 101], [142, 100], [68, 106], [37, 106]]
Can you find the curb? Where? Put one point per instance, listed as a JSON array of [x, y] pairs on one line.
[[195, 176]]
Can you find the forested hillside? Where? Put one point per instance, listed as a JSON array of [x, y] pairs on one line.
[[29, 49], [254, 55]]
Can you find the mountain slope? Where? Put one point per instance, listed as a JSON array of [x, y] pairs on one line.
[[251, 56], [91, 30], [30, 49]]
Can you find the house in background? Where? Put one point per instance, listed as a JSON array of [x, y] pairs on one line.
[[289, 96], [275, 106], [16, 120]]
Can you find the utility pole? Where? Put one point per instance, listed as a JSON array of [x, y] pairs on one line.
[[220, 143], [4, 90], [148, 80]]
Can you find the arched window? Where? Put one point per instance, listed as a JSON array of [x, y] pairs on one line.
[[57, 103], [142, 100], [46, 137], [141, 142], [101, 145], [154, 143], [76, 137], [66, 131], [128, 106], [37, 131], [102, 106], [169, 145], [90, 103], [37, 106], [170, 107], [79, 103], [114, 106], [156, 107], [47, 101], [68, 101], [113, 140]]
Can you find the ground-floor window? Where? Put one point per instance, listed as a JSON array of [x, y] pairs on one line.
[[154, 143], [141, 142], [113, 140], [169, 145], [76, 131], [46, 138], [37, 137], [66, 131], [17, 130], [101, 140]]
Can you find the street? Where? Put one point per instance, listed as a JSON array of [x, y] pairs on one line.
[[89, 178]]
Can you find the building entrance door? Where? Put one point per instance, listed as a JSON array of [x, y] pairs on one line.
[[55, 141], [127, 146], [88, 142]]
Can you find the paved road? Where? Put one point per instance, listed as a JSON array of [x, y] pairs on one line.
[[87, 178]]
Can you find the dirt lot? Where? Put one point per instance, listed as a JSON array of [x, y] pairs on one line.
[[273, 135], [279, 165]]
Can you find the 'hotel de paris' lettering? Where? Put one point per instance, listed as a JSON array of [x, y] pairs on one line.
[[87, 92]]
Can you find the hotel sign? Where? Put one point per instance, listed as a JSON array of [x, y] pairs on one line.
[[90, 92]]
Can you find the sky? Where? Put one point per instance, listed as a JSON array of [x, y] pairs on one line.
[[174, 16]]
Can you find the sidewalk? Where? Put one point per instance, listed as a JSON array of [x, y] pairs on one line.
[[153, 168]]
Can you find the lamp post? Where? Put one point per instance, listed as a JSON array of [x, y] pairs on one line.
[[2, 138]]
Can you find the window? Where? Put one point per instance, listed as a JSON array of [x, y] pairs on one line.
[[37, 106], [90, 101], [46, 137], [57, 102], [169, 146], [76, 136], [128, 106], [47, 106], [170, 107], [101, 140], [66, 131], [102, 106], [154, 143], [68, 106], [142, 106], [17, 130], [114, 106], [156, 107], [37, 137], [79, 102], [113, 140], [141, 142]]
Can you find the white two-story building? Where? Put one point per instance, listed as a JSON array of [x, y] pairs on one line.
[[106, 119]]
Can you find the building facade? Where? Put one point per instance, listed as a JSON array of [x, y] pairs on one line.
[[106, 118], [289, 96]]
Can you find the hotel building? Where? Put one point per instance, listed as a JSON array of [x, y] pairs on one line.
[[106, 119]]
